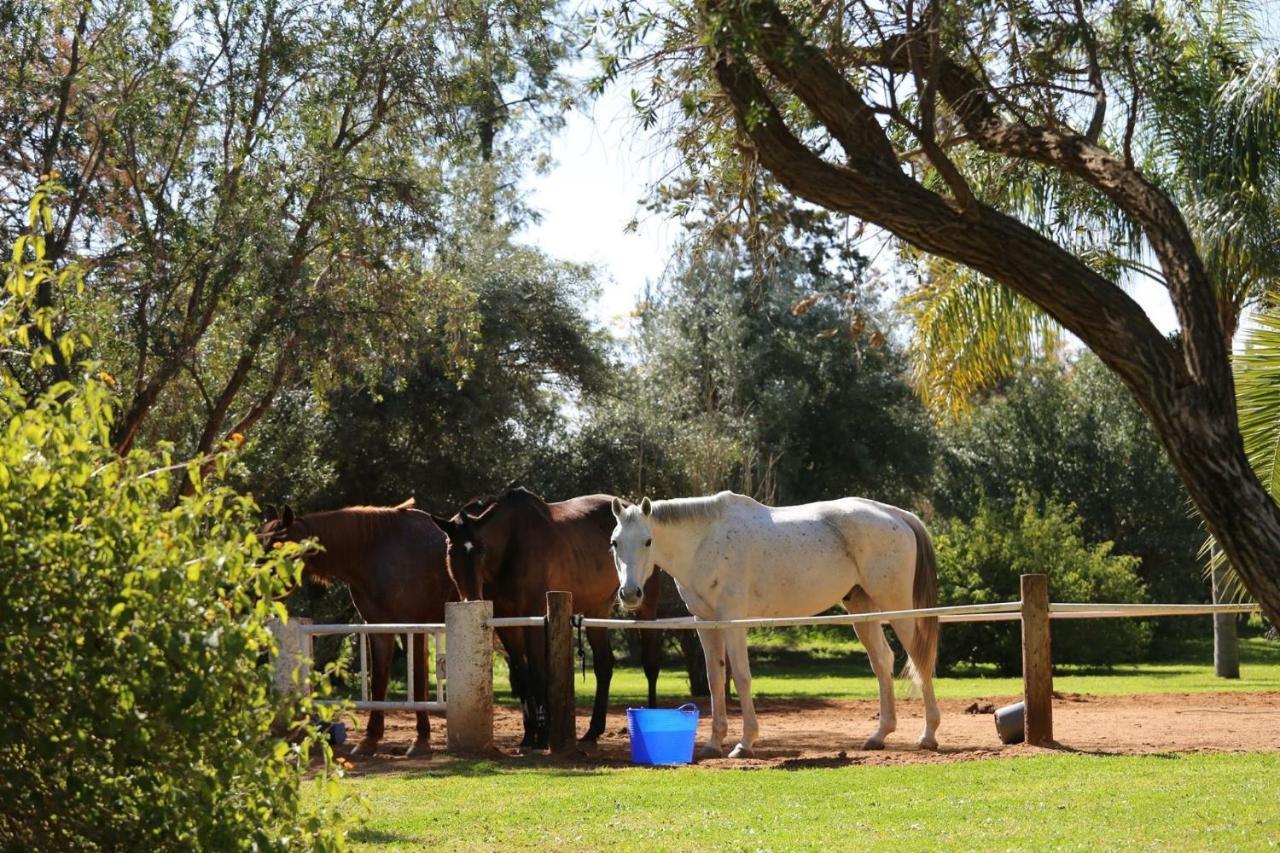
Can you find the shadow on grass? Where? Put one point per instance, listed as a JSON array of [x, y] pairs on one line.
[[365, 835], [454, 766]]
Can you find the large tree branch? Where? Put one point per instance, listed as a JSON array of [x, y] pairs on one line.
[[1092, 307], [1155, 213]]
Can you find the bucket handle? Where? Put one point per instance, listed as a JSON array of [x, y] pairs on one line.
[[688, 708]]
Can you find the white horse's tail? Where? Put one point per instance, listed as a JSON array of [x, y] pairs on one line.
[[924, 644]]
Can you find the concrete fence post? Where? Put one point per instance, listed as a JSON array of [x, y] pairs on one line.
[[562, 725], [292, 654], [1226, 644], [469, 707], [1037, 660]]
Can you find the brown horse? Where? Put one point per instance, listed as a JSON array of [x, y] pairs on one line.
[[393, 561], [512, 553]]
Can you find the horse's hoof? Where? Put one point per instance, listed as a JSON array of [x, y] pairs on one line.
[[742, 751], [366, 748], [927, 742], [873, 743], [420, 749], [588, 745], [711, 752]]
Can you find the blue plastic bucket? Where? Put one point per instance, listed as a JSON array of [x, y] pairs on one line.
[[662, 735]]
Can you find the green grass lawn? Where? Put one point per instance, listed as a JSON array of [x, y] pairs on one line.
[[1182, 801]]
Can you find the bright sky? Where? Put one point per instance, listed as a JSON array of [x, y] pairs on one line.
[[604, 164]]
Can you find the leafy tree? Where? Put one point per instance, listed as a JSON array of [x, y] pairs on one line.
[[257, 187], [436, 431], [132, 628], [980, 562], [776, 382], [924, 118], [1072, 434]]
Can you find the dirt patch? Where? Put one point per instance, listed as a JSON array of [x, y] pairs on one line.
[[805, 733]]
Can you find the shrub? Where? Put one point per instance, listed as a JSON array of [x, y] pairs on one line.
[[980, 561], [137, 714]]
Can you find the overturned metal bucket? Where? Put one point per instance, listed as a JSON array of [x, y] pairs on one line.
[[1010, 723]]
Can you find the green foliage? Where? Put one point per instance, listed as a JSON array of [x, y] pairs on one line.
[[1257, 373], [139, 712], [1073, 433], [980, 561], [262, 193], [1257, 376], [778, 382]]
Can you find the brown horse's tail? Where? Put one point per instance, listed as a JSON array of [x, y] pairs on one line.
[[924, 651]]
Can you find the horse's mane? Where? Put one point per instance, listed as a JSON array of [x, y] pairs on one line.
[[346, 533], [477, 505], [691, 509]]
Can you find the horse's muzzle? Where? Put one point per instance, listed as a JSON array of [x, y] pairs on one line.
[[630, 597]]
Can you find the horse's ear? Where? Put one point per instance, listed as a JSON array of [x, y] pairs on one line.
[[646, 508], [483, 514], [617, 508], [286, 517]]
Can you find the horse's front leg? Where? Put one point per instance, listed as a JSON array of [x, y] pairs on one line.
[[713, 650], [513, 642], [651, 641], [651, 660], [602, 664], [740, 667], [536, 669], [422, 746], [380, 647]]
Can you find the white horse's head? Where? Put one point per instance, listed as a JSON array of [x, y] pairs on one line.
[[632, 547]]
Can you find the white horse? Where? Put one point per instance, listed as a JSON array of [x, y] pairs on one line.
[[734, 558]]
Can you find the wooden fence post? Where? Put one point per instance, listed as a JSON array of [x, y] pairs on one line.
[[469, 705], [1037, 661], [561, 723]]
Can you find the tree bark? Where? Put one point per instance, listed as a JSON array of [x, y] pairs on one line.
[[1186, 390]]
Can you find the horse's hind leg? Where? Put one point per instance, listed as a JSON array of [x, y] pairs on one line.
[[713, 650], [421, 746], [906, 631], [602, 665], [380, 647], [871, 635], [740, 666]]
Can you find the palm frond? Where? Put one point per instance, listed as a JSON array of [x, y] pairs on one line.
[[970, 333]]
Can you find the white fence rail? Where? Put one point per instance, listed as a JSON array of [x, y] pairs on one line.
[[306, 632], [470, 628]]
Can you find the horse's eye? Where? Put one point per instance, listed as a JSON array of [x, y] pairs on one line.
[[648, 542], [613, 543]]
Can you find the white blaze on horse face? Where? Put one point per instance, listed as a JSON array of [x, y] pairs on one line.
[[631, 543]]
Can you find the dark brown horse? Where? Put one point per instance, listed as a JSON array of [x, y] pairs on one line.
[[393, 561], [516, 549]]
